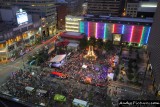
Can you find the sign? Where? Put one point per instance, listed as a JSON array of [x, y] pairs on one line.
[[22, 17], [117, 39]]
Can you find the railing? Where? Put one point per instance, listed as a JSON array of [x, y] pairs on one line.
[[17, 102]]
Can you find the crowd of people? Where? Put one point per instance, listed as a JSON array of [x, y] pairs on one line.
[[40, 79], [97, 70]]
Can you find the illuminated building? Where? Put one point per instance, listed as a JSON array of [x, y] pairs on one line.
[[72, 23], [141, 8], [45, 9], [16, 37], [133, 30]]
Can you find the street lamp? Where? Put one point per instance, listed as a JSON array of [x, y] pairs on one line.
[[21, 53]]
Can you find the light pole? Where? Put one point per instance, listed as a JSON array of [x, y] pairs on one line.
[[22, 59]]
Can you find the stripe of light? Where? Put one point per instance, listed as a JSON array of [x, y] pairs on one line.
[[123, 29], [88, 30], [142, 33], [96, 33], [80, 28], [131, 34], [113, 28], [148, 35], [104, 35]]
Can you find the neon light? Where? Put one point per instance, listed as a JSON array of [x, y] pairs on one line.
[[104, 35], [148, 35], [113, 28], [123, 29], [141, 35], [149, 5], [88, 30], [82, 27], [131, 34], [96, 33]]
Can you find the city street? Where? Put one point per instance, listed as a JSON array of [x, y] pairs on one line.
[[7, 69]]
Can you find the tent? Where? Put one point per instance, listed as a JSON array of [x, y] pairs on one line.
[[58, 58], [84, 66], [29, 88], [41, 91], [60, 98], [72, 46], [80, 103], [110, 76]]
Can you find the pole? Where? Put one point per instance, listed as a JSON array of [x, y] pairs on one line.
[[22, 59]]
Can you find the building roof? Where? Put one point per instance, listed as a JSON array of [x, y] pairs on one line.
[[127, 20], [58, 58], [72, 35]]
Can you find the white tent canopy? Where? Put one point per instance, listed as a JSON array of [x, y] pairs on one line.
[[84, 66], [78, 102], [29, 88], [72, 46], [41, 91], [110, 76], [58, 58]]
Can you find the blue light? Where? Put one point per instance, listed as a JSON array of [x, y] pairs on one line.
[[104, 35], [148, 35], [123, 29]]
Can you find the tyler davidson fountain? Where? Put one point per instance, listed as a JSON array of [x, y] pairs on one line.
[[90, 55]]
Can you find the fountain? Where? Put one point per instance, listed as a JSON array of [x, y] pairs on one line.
[[90, 55]]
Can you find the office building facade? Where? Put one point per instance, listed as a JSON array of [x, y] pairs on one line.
[[104, 7], [46, 10], [131, 30]]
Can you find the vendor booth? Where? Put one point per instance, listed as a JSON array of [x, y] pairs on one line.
[[80, 103], [57, 61]]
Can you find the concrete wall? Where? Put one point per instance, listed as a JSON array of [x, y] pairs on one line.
[[7, 14]]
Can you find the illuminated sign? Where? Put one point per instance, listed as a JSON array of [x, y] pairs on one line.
[[117, 37], [22, 17], [148, 5]]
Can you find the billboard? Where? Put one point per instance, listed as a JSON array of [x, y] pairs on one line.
[[22, 17], [117, 39]]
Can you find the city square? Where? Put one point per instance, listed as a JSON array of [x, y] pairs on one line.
[[79, 53]]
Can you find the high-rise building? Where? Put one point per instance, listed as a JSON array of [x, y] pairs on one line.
[[141, 9], [131, 9], [46, 10], [105, 7], [154, 50], [62, 11], [72, 23]]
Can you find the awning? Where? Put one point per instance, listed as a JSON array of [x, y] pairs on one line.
[[58, 58], [41, 91], [29, 88]]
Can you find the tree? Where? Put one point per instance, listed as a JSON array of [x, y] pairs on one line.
[[108, 45], [83, 43], [92, 41], [99, 43], [130, 76]]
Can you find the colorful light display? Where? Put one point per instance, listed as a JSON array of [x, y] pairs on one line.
[[131, 33]]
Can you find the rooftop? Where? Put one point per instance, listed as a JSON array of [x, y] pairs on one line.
[[72, 35], [118, 19]]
